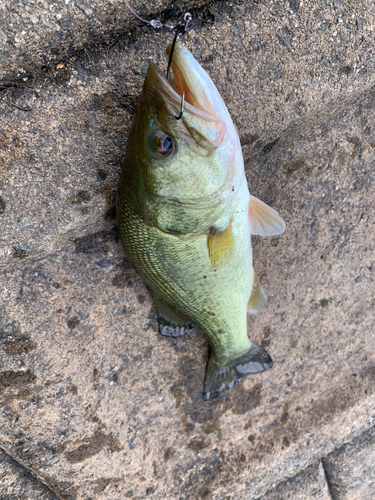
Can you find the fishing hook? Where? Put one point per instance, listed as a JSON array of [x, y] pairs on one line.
[[182, 107], [180, 28]]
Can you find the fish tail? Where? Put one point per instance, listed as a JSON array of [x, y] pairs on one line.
[[220, 377]]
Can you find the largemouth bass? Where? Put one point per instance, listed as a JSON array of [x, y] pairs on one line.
[[186, 218]]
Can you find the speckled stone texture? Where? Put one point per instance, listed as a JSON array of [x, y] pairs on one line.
[[94, 402]]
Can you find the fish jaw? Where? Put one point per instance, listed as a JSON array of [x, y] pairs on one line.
[[200, 92]]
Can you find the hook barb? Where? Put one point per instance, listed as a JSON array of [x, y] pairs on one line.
[[182, 107]]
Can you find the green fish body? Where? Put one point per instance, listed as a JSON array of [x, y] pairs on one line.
[[186, 218]]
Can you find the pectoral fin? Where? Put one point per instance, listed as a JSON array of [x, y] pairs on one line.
[[264, 220], [220, 245], [258, 299]]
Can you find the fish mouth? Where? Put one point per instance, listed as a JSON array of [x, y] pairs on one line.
[[205, 114], [190, 78]]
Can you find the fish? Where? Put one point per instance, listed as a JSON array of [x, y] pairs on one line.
[[186, 217]]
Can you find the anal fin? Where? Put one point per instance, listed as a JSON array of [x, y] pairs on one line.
[[258, 299], [171, 324], [220, 245], [264, 220]]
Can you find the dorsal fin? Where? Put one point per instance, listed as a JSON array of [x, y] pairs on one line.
[[264, 220], [220, 245]]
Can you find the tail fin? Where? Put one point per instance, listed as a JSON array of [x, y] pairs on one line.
[[220, 377]]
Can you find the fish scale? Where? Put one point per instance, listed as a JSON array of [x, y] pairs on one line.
[[186, 217]]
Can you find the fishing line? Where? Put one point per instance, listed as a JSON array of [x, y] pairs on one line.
[[154, 23], [158, 24], [180, 28]]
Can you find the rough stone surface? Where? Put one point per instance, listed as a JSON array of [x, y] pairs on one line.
[[94, 402], [16, 483], [309, 484], [351, 470], [41, 34]]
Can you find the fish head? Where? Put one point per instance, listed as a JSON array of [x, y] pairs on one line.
[[184, 170]]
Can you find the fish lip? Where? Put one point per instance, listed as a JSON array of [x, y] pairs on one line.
[[159, 82]]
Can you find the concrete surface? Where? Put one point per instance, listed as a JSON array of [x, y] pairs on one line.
[[17, 483], [95, 404]]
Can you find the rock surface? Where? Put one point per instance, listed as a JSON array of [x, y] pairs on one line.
[[94, 403]]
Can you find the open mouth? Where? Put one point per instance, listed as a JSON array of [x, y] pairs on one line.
[[204, 113], [182, 77], [189, 78]]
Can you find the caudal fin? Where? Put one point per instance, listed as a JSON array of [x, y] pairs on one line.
[[220, 377]]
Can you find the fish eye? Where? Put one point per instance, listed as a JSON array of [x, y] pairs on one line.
[[163, 144]]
